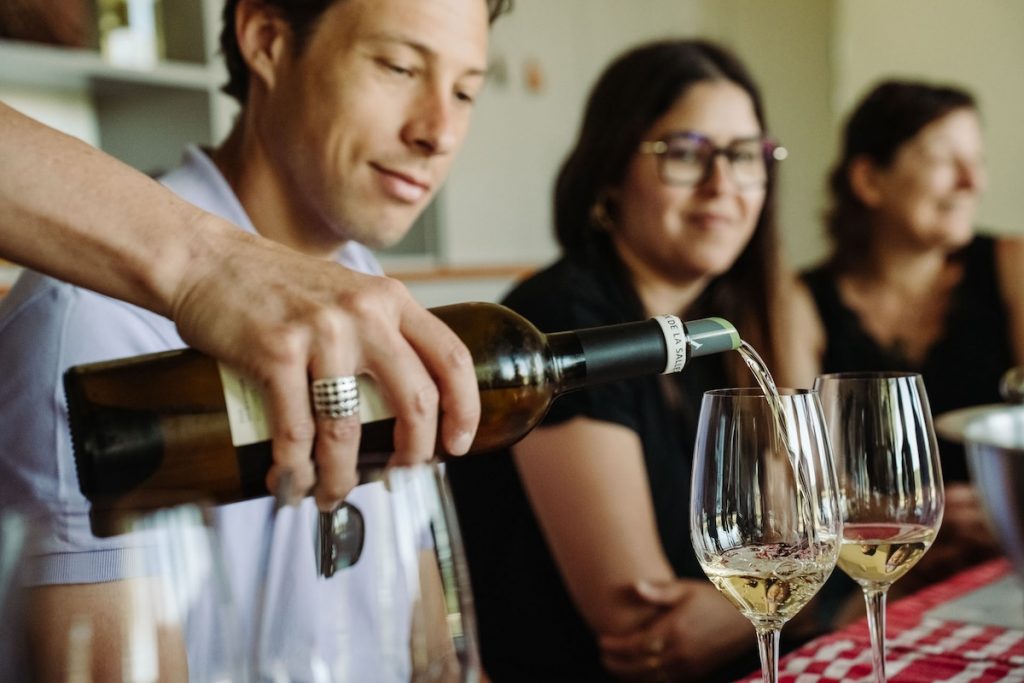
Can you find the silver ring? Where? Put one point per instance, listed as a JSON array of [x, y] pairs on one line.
[[335, 397]]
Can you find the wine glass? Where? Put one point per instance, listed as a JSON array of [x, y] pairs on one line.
[[764, 514], [157, 607], [379, 593], [890, 482]]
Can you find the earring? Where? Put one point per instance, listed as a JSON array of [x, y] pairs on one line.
[[600, 218]]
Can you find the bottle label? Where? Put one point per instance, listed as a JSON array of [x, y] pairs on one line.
[[246, 406], [249, 413], [675, 343]]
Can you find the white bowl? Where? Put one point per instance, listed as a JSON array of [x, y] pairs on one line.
[[995, 457]]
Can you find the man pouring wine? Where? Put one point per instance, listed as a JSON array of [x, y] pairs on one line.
[[352, 113]]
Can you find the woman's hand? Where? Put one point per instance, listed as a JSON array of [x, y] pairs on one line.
[[695, 629]]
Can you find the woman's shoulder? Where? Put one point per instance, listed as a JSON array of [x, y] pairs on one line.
[[820, 284], [571, 294], [981, 249], [801, 335], [528, 289], [990, 262], [1006, 246], [988, 247], [1009, 261]]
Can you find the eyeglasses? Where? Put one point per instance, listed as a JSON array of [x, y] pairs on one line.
[[686, 158]]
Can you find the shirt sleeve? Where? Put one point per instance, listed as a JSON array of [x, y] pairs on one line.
[[45, 327]]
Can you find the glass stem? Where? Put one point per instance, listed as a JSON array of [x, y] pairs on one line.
[[875, 601], [768, 648]]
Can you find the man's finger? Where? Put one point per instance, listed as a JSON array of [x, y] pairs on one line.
[[450, 364], [413, 397], [292, 430], [335, 400]]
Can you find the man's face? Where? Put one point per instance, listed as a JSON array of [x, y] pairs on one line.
[[361, 127]]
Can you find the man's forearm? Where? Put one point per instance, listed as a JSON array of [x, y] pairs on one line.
[[73, 212]]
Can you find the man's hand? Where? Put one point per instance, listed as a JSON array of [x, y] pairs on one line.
[[284, 319]]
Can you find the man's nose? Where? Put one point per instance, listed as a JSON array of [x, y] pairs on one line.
[[430, 127]]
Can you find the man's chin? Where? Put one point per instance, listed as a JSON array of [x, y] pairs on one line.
[[381, 234]]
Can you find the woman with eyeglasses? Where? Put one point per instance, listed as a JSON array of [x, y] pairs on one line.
[[578, 538], [910, 286]]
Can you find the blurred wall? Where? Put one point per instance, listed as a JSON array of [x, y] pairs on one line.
[[813, 58]]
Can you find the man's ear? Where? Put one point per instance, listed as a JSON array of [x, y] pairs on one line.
[[864, 181], [263, 38]]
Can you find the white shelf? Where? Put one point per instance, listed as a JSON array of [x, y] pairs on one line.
[[47, 66], [142, 116]]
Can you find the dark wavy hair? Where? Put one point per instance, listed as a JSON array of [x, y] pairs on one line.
[[889, 116], [634, 92], [302, 16]]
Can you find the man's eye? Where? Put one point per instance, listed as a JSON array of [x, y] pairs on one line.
[[395, 68], [463, 96]]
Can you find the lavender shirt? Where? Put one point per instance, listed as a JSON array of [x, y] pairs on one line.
[[357, 623]]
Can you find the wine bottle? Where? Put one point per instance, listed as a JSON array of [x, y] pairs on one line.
[[174, 427]]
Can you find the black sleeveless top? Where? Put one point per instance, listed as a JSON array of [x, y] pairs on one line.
[[961, 369], [529, 628]]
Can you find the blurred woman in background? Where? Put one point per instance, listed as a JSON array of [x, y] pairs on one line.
[[578, 538], [910, 286]]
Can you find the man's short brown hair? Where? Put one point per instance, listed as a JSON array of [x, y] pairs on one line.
[[302, 16]]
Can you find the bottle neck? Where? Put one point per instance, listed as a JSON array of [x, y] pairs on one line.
[[616, 352], [608, 354], [569, 363]]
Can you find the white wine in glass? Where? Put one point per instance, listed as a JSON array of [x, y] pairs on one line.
[[764, 513], [890, 482]]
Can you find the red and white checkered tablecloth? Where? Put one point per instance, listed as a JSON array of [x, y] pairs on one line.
[[919, 649]]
